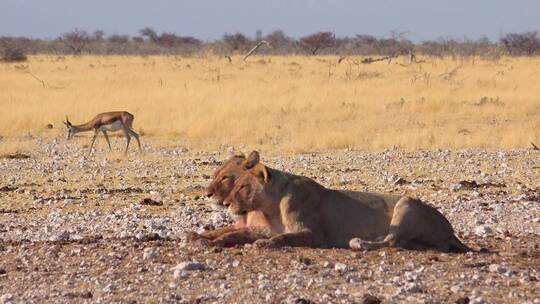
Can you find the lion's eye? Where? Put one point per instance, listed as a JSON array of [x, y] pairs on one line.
[[224, 178]]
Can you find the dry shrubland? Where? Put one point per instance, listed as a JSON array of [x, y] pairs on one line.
[[288, 102]]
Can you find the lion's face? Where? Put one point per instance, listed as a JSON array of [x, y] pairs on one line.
[[224, 179], [243, 195], [226, 175]]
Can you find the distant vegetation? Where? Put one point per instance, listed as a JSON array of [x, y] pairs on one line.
[[283, 102], [150, 42]]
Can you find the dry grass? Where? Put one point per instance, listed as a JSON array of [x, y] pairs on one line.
[[290, 103]]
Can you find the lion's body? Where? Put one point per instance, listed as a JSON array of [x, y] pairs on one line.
[[297, 211], [309, 214]]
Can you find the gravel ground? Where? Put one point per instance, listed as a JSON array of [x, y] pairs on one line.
[[105, 228]]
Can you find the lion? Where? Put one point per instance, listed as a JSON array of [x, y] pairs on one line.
[[222, 184], [301, 212], [219, 188]]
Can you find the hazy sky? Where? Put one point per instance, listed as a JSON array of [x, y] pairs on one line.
[[207, 20]]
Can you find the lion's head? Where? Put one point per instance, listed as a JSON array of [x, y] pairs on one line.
[[247, 189], [225, 176]]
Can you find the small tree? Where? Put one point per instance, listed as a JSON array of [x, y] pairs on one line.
[[236, 41], [98, 35], [149, 33], [11, 49], [278, 39], [76, 40], [521, 43], [118, 39], [318, 41]]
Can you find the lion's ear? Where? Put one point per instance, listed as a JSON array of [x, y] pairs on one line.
[[252, 160], [261, 172]]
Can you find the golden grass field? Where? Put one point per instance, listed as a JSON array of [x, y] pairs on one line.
[[285, 102]]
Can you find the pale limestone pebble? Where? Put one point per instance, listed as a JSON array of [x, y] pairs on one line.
[[150, 253], [7, 299], [497, 268]]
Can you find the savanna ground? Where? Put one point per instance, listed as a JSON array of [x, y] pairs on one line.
[[76, 228]]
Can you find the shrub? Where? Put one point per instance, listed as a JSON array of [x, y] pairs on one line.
[[521, 43]]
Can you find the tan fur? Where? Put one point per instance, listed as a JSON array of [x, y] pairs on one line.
[[302, 212], [103, 122], [252, 224]]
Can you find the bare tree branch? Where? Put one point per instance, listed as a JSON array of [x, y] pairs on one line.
[[256, 47], [42, 82]]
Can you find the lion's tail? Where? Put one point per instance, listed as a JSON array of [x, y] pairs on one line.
[[457, 246]]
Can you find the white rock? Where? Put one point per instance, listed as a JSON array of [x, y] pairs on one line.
[[477, 300], [108, 288], [412, 287], [150, 253], [6, 298], [483, 230], [190, 266], [340, 267], [497, 268]]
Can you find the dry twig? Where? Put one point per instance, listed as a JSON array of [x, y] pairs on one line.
[[37, 78], [256, 47]]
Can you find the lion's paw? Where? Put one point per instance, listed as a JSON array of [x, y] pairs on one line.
[[264, 243], [195, 237]]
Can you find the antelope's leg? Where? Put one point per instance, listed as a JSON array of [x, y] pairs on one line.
[[134, 134], [93, 140], [107, 138]]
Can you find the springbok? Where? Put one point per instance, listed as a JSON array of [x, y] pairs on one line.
[[103, 122]]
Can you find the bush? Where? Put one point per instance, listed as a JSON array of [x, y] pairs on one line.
[[14, 55], [521, 43]]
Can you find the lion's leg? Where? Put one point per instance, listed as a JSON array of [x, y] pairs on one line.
[[304, 238], [391, 240], [215, 233], [422, 227], [242, 236]]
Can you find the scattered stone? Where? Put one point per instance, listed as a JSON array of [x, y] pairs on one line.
[[477, 300], [191, 266], [147, 237], [483, 230], [497, 268], [370, 299], [300, 301], [151, 202], [340, 267], [6, 298], [76, 294], [150, 253], [412, 287], [109, 288]]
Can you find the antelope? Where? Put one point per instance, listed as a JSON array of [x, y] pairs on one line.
[[103, 122]]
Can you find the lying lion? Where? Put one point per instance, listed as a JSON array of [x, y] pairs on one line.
[[256, 222], [301, 212]]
